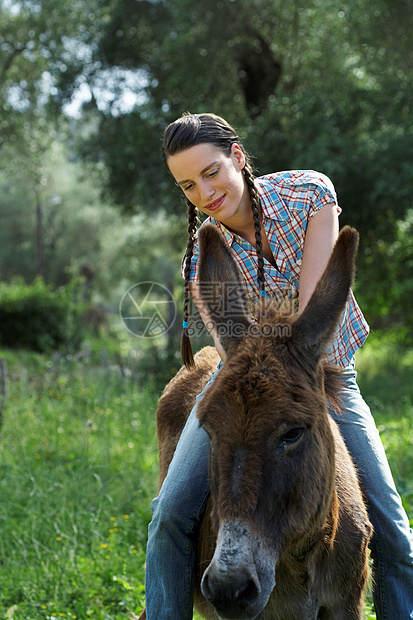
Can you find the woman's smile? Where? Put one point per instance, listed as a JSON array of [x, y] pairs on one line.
[[213, 206]]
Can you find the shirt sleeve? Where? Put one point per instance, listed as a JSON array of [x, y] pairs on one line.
[[324, 193]]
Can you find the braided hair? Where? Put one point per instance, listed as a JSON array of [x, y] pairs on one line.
[[188, 131]]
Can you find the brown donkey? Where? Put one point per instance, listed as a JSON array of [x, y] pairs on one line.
[[285, 534]]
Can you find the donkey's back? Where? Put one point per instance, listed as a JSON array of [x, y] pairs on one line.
[[177, 401]]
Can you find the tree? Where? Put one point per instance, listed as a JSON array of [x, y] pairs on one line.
[[306, 83], [75, 224], [309, 84], [38, 42]]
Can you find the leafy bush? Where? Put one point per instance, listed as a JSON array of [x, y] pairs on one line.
[[37, 318]]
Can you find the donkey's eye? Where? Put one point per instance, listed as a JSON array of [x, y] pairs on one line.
[[292, 436]]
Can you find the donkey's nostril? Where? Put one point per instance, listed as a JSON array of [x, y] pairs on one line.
[[249, 593], [232, 593], [206, 590]]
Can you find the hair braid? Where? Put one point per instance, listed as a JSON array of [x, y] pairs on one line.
[[186, 348], [255, 205]]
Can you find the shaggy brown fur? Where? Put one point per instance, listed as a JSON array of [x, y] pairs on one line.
[[286, 532]]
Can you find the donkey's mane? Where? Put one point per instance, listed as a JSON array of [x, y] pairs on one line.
[[276, 313]]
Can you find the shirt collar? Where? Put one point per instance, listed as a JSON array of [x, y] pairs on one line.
[[273, 206]]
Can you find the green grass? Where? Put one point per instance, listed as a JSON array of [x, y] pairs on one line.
[[385, 370], [78, 465]]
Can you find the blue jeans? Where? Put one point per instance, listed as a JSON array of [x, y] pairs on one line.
[[182, 499]]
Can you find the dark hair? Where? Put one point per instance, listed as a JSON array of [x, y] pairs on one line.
[[187, 131]]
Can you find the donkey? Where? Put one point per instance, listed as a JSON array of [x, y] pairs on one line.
[[285, 535]]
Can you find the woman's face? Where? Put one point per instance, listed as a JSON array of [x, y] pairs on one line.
[[213, 182]]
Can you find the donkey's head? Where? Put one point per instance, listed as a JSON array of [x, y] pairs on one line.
[[272, 454]]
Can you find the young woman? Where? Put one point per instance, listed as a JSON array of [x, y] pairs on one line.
[[280, 229]]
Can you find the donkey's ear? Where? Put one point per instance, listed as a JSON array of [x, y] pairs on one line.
[[221, 287], [316, 326]]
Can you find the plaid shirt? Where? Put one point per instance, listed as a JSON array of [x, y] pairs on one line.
[[288, 200]]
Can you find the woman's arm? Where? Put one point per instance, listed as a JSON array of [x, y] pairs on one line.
[[322, 232]]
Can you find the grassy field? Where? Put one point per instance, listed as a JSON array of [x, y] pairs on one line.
[[79, 466]]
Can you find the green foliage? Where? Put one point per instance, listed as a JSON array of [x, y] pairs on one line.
[[37, 318], [40, 45], [386, 281], [78, 230]]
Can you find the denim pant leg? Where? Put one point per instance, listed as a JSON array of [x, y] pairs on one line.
[[392, 542], [177, 512]]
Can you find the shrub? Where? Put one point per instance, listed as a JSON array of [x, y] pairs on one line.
[[37, 318]]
